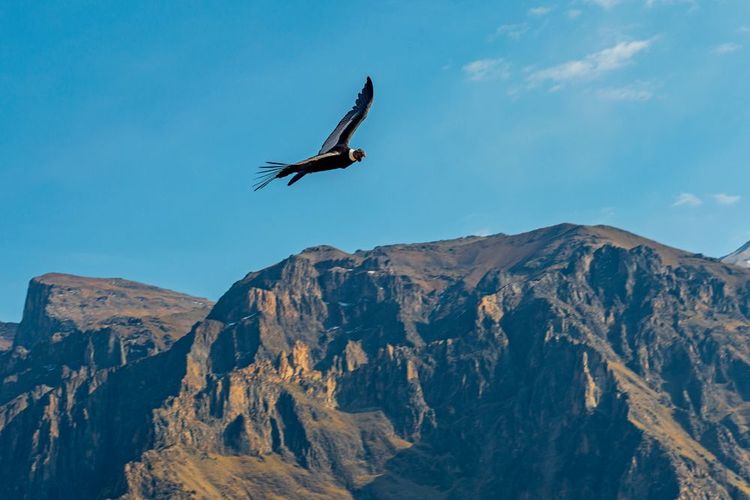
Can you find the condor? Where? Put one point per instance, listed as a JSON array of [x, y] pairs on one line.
[[335, 152]]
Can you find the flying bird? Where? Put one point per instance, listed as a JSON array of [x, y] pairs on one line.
[[335, 152]]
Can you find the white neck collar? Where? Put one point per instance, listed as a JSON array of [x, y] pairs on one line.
[[351, 155]]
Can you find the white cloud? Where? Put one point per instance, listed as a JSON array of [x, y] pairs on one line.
[[514, 31], [606, 4], [726, 199], [638, 92], [687, 200], [540, 11], [726, 48], [487, 69], [574, 13], [592, 65], [692, 3], [744, 29]]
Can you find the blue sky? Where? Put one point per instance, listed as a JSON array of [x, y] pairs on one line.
[[130, 131]]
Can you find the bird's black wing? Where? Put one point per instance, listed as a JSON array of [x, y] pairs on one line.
[[349, 123]]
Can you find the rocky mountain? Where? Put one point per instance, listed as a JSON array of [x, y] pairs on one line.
[[740, 257], [568, 362], [7, 334], [76, 336], [145, 319]]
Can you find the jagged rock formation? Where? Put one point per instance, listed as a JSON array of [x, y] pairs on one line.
[[569, 362], [68, 402], [144, 318], [7, 334], [740, 257]]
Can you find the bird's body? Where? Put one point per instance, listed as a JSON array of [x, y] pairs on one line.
[[335, 152], [338, 157]]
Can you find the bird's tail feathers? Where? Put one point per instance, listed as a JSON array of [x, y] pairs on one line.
[[268, 173]]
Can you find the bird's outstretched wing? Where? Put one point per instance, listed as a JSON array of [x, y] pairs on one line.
[[349, 123]]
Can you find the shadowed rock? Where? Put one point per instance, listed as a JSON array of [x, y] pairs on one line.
[[7, 334], [568, 362], [72, 413]]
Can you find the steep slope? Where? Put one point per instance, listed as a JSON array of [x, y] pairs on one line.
[[740, 257], [571, 362], [568, 362], [70, 351]]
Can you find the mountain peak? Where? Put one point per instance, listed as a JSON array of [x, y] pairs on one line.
[[58, 303], [577, 361], [500, 352]]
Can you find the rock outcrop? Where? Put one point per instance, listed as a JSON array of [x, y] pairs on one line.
[[69, 406], [146, 319], [568, 362], [7, 334]]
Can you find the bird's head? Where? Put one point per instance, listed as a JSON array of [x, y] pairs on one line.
[[358, 154]]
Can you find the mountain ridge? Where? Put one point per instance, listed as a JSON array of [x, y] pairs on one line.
[[58, 302], [575, 361]]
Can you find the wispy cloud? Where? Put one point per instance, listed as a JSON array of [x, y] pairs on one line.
[[514, 31], [692, 3], [540, 11], [573, 13], [726, 199], [637, 92], [687, 200], [606, 4], [592, 66], [726, 48], [487, 69]]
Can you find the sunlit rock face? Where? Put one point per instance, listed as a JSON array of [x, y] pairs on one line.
[[144, 319], [68, 406], [568, 362]]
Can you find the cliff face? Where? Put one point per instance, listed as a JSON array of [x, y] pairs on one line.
[[7, 334], [146, 319], [569, 362], [69, 407]]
